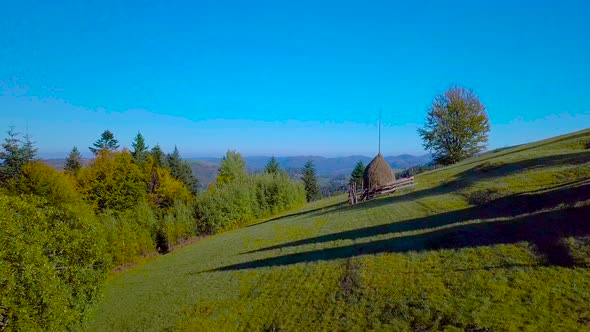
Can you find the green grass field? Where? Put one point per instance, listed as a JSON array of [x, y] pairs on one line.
[[499, 242]]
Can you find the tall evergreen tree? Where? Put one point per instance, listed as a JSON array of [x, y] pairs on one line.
[[73, 162], [106, 141], [174, 162], [139, 152], [272, 167], [29, 149], [232, 167], [357, 174], [310, 181], [182, 171], [159, 156], [15, 155]]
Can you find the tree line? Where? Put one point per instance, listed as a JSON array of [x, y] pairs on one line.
[[62, 231]]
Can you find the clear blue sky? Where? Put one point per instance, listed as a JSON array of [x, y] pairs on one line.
[[287, 77]]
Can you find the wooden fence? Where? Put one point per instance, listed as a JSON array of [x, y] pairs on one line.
[[356, 196]]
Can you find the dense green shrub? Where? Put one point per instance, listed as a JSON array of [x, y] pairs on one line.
[[179, 223], [233, 203], [52, 262], [131, 233]]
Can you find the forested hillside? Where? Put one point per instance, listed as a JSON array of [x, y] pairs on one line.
[[63, 231]]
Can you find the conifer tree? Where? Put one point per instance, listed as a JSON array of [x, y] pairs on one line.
[[310, 181], [181, 170], [272, 167], [15, 155], [139, 152], [357, 174], [106, 141], [73, 162], [159, 156]]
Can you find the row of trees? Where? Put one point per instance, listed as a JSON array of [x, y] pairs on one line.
[[61, 232]]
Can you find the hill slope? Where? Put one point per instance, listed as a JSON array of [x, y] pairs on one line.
[[494, 243]]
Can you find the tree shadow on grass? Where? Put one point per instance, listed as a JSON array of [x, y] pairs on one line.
[[508, 206], [471, 176], [520, 148], [541, 228], [306, 213], [545, 230]]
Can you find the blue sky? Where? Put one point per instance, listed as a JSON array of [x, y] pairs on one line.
[[287, 77]]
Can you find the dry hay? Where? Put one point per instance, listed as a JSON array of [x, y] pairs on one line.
[[378, 173]]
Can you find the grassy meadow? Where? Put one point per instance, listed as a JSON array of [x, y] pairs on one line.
[[495, 243]]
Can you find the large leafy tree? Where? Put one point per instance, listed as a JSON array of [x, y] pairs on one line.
[[106, 141], [16, 153], [272, 167], [140, 150], [232, 167], [457, 126], [310, 181], [357, 174], [73, 162]]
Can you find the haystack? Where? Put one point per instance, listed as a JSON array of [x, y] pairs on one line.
[[378, 173]]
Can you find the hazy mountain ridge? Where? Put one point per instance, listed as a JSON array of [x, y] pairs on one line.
[[325, 166]]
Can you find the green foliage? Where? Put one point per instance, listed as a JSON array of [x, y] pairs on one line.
[[15, 155], [113, 181], [42, 180], [182, 171], [245, 199], [310, 181], [52, 263], [272, 167], [73, 162], [232, 167], [106, 141], [159, 156], [164, 189], [131, 233], [457, 126], [140, 150], [357, 174]]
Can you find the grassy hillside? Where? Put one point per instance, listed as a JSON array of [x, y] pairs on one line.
[[501, 242]]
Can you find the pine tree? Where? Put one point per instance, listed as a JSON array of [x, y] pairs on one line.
[[139, 152], [106, 141], [159, 156], [29, 149], [182, 171], [73, 162], [15, 155], [174, 161], [310, 181], [357, 174], [272, 167]]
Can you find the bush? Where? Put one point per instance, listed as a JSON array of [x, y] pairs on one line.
[[242, 200], [52, 262], [131, 233]]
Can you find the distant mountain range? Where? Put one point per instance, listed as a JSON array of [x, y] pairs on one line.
[[205, 168], [326, 167]]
